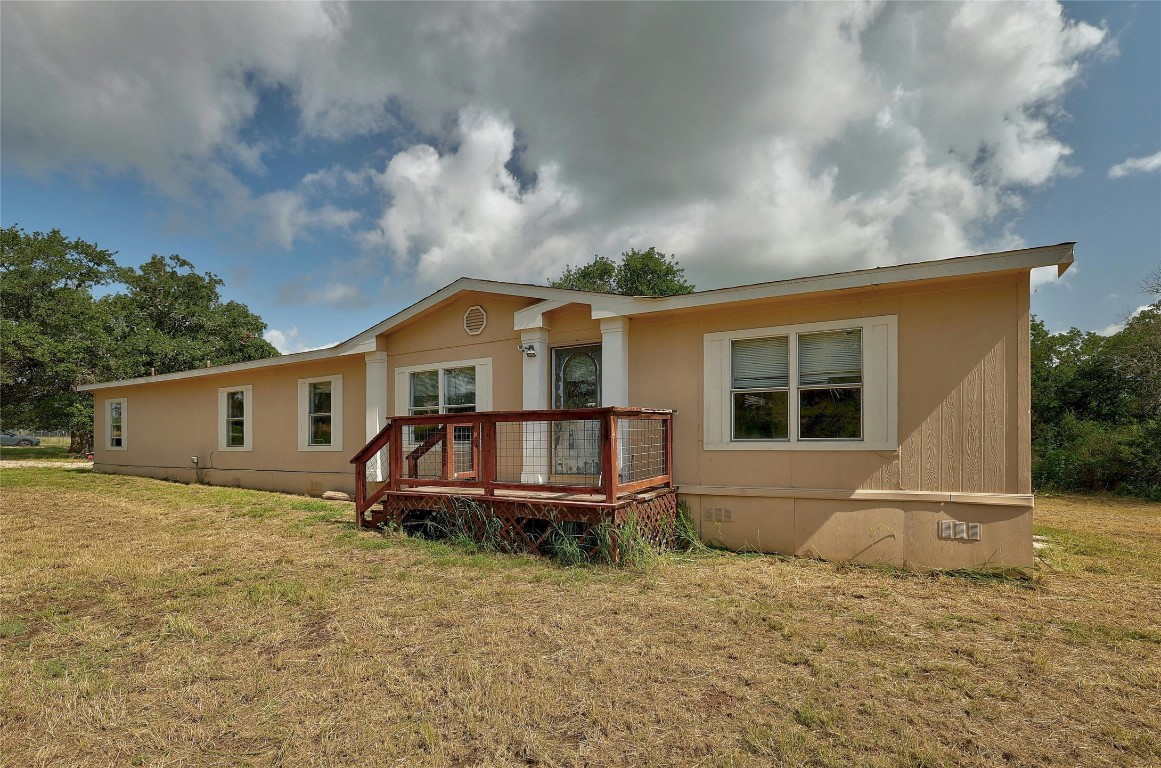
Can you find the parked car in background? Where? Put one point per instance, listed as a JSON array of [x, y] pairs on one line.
[[9, 438]]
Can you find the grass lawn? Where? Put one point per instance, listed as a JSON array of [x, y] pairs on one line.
[[50, 449], [154, 624]]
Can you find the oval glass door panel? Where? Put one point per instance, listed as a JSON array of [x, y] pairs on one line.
[[576, 445], [577, 377]]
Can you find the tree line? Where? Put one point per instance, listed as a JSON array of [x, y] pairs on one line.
[[1096, 406], [73, 316]]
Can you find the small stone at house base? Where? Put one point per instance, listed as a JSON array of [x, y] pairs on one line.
[[336, 496]]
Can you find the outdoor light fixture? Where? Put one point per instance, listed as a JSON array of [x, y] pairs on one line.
[[528, 350]]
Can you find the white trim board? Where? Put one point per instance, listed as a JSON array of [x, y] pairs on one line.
[[990, 499]]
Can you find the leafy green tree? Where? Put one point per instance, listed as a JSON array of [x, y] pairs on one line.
[[1096, 407], [51, 331], [640, 273], [55, 336], [170, 318]]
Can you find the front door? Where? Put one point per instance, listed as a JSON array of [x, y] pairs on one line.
[[576, 383]]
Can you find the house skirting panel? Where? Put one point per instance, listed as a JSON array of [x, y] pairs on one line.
[[898, 533]]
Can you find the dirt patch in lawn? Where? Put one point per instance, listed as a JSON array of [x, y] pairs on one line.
[[150, 623]]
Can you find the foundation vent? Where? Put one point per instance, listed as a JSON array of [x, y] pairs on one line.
[[475, 319], [718, 515], [953, 529]]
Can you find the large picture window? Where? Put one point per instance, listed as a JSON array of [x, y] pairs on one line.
[[235, 413], [320, 413], [811, 386]]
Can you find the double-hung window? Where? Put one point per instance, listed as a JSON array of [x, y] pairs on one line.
[[810, 386], [830, 385], [235, 418], [115, 432], [760, 388], [320, 413]]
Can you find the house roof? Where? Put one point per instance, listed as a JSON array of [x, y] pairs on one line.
[[610, 305]]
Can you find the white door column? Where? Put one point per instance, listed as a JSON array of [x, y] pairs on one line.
[[536, 383], [376, 393], [376, 399], [536, 368], [615, 361]]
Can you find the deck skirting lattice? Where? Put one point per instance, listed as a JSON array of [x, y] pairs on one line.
[[533, 526]]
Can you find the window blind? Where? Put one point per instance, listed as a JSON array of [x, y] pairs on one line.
[[760, 363], [830, 357]]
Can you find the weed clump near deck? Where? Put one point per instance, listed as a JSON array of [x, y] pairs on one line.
[[474, 525]]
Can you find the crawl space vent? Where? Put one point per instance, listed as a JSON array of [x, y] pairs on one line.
[[475, 319]]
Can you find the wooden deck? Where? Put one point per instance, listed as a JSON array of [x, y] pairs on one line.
[[532, 474]]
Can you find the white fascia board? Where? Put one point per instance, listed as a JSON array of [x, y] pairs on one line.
[[266, 362], [1060, 256]]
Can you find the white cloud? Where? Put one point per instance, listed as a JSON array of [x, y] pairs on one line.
[[752, 140], [287, 342], [1115, 328], [464, 212], [1149, 164], [287, 216]]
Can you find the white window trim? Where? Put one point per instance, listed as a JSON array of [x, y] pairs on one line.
[[247, 422], [124, 401], [880, 387], [483, 366], [336, 382]]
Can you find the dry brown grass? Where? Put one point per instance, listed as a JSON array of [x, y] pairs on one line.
[[154, 624]]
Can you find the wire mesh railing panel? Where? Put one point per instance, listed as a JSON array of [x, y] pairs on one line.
[[464, 449], [642, 445], [378, 465], [422, 448], [549, 452]]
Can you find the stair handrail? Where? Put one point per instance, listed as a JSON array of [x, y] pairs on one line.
[[360, 459]]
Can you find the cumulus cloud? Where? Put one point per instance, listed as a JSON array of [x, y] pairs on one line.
[[288, 342], [465, 211], [753, 140], [1150, 164]]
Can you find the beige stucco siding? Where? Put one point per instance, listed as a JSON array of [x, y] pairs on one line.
[[168, 422]]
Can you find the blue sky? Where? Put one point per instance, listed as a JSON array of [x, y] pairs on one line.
[[335, 163]]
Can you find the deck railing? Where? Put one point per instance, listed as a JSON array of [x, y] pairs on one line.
[[564, 451]]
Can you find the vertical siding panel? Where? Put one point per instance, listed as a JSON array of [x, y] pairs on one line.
[[909, 462], [973, 422], [930, 479], [891, 476], [995, 412], [951, 441]]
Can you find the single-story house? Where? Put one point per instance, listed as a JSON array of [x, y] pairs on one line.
[[878, 415]]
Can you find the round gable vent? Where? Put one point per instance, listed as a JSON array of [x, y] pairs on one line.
[[475, 319]]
